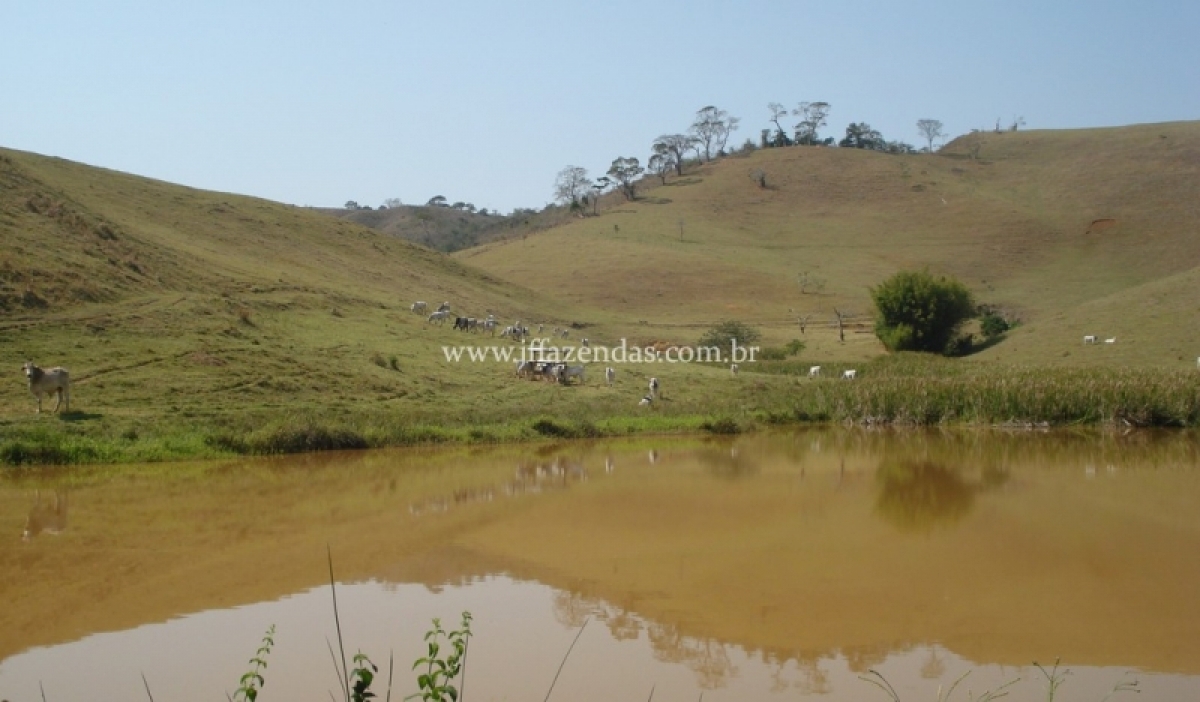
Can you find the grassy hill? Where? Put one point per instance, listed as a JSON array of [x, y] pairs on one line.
[[198, 323], [1010, 214], [177, 309]]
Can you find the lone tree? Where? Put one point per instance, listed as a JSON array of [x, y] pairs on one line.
[[780, 137], [812, 117], [861, 136], [676, 147], [572, 186], [917, 312], [625, 171], [662, 162], [712, 129], [930, 129]]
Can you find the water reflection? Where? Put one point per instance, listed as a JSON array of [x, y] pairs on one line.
[[785, 561], [532, 477], [918, 495], [49, 516], [727, 462]]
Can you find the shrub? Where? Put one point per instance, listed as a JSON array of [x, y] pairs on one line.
[[993, 325], [917, 312], [723, 334]]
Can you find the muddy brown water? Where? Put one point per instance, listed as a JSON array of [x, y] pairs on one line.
[[773, 566]]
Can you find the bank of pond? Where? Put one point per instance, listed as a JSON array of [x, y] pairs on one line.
[[905, 390]]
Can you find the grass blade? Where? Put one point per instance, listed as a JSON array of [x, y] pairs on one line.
[[337, 620], [564, 660]]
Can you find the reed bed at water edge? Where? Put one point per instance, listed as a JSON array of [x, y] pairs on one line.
[[935, 391]]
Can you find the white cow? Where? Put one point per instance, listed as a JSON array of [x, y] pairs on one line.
[[418, 307], [51, 381], [1089, 339], [440, 316], [814, 372], [445, 306], [646, 400], [610, 374], [733, 369], [1111, 341], [849, 374], [654, 387]]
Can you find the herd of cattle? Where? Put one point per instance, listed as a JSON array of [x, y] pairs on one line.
[[486, 325], [561, 373], [57, 381]]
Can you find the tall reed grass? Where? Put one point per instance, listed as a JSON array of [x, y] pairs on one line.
[[923, 392]]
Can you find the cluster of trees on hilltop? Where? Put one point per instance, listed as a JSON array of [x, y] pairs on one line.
[[708, 138]]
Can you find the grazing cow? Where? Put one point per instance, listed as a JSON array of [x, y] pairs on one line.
[[553, 371], [48, 517], [610, 374], [585, 343], [564, 333], [444, 307], [733, 369], [814, 372], [418, 307], [569, 372], [461, 323], [1111, 341], [653, 387], [540, 328], [440, 316], [49, 381], [1089, 339], [646, 401], [849, 374]]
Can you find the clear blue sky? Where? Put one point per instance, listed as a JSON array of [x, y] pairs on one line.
[[485, 102]]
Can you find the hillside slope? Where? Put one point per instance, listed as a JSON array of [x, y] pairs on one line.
[[1070, 232], [207, 303]]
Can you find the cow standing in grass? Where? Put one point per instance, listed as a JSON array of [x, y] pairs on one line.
[[49, 381]]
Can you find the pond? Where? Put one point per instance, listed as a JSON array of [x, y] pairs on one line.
[[809, 564]]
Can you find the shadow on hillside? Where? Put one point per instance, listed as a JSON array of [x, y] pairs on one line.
[[77, 416], [655, 200], [980, 345], [686, 181]]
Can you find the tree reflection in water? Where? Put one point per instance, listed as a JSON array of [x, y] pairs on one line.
[[812, 680], [917, 495], [708, 658]]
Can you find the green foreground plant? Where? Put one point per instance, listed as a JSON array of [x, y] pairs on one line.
[[436, 683], [253, 681]]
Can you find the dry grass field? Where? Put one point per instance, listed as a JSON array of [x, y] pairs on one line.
[[1010, 214], [199, 323]]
